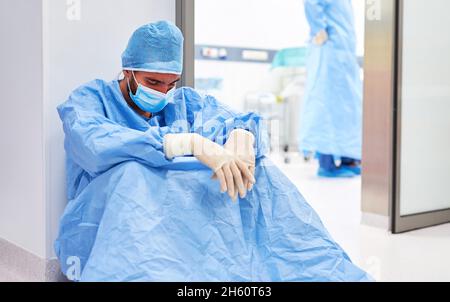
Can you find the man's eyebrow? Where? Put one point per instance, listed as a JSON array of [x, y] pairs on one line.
[[153, 80], [160, 82]]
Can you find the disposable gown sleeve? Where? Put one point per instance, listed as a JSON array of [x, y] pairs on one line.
[[97, 143], [217, 121], [315, 13]]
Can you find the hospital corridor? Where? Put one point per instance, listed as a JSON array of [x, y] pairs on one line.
[[225, 141]]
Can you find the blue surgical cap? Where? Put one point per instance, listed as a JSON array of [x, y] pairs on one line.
[[155, 47]]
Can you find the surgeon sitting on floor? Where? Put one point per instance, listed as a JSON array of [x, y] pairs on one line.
[[148, 166]]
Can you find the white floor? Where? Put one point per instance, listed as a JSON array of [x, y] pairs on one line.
[[422, 255], [8, 276]]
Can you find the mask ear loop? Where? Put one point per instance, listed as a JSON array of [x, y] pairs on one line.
[[128, 82], [134, 77]]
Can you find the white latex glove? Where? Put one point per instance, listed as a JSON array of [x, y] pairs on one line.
[[321, 38], [241, 143], [228, 168]]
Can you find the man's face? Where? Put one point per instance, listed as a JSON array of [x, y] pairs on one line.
[[161, 82]]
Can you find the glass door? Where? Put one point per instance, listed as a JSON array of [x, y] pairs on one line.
[[422, 189]]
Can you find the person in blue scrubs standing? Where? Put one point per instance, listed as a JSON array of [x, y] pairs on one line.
[[331, 124]]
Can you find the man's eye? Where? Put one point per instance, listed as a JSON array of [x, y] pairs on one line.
[[153, 82]]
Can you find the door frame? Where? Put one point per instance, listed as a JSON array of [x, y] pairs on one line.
[[185, 20]]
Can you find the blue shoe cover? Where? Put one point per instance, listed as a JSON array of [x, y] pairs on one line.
[[354, 169], [335, 173]]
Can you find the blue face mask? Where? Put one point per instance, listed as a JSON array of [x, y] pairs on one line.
[[150, 100]]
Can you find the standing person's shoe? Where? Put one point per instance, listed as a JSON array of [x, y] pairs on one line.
[[354, 169], [351, 164], [335, 173]]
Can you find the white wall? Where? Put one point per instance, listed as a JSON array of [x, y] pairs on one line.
[[250, 23], [360, 24], [22, 203], [270, 24]]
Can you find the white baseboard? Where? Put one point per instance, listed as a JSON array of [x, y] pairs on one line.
[[25, 266]]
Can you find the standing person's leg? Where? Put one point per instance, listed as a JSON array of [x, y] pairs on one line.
[[326, 162]]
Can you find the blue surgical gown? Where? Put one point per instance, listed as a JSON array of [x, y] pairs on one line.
[[331, 121], [133, 215]]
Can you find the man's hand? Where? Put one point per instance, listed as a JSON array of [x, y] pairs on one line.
[[321, 38], [227, 167], [240, 142]]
